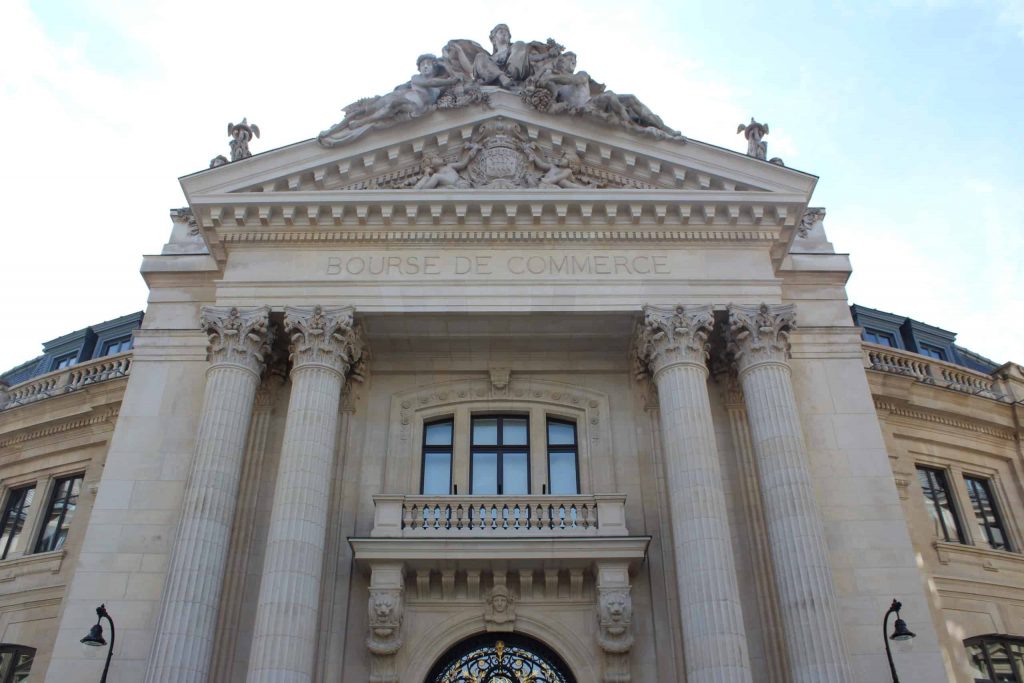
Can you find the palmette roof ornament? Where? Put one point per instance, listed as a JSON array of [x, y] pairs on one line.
[[543, 74]]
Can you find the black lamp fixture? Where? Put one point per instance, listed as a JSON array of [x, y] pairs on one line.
[[95, 638], [899, 632]]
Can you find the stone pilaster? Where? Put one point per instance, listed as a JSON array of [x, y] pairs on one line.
[[241, 540], [324, 347], [183, 646], [672, 344], [764, 579], [759, 342]]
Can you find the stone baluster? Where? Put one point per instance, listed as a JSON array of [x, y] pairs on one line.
[[672, 344], [759, 342], [183, 645], [324, 347]]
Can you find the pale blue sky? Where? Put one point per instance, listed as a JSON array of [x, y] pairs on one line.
[[905, 109]]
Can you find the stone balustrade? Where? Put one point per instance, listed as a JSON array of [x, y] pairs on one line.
[[67, 380], [932, 371], [399, 516]]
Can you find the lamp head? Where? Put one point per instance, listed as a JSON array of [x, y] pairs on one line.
[[94, 637], [900, 631]]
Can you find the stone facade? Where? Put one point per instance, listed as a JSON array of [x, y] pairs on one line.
[[261, 498]]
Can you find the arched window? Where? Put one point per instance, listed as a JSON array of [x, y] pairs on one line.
[[15, 663], [996, 658], [504, 658]]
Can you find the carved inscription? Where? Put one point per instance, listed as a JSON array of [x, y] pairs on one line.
[[357, 266]]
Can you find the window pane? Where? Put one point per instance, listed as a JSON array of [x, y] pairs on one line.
[[485, 473], [563, 474], [22, 668], [59, 515], [937, 499], [18, 504], [485, 431], [515, 481], [514, 431], [977, 661], [1002, 669], [439, 434], [561, 434], [437, 471], [990, 526]]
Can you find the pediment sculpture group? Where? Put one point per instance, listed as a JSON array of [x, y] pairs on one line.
[[543, 74]]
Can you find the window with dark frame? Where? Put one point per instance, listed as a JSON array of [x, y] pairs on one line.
[[15, 663], [563, 466], [65, 361], [436, 479], [996, 658], [878, 337], [59, 514], [119, 345], [500, 455], [986, 513], [19, 501], [932, 351], [939, 501]]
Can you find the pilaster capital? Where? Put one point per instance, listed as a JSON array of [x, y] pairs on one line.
[[323, 336], [760, 334], [670, 335], [238, 336]]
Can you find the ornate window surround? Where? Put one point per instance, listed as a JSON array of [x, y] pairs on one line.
[[955, 470], [540, 399]]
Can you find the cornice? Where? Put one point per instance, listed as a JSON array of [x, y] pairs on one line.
[[109, 415], [469, 235], [938, 418], [602, 208]]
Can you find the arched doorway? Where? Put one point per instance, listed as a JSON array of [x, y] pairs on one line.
[[500, 658]]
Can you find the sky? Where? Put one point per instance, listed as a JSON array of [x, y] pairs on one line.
[[907, 110]]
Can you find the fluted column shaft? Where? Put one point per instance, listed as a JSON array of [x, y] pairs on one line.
[[183, 644], [324, 346], [672, 343], [759, 338]]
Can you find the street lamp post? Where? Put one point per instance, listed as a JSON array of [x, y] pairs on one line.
[[899, 632], [95, 638]]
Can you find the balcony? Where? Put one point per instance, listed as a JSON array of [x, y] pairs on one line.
[[507, 531], [935, 372], [497, 516], [66, 380]]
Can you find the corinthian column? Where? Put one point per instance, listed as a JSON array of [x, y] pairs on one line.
[[672, 344], [759, 341], [324, 346], [182, 650]]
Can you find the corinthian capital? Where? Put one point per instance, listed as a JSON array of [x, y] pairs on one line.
[[323, 336], [759, 334], [241, 336], [672, 334]]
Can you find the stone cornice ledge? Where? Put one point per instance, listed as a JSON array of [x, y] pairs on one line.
[[482, 552], [987, 558], [518, 207], [40, 563]]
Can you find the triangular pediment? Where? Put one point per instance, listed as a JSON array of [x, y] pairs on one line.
[[603, 157], [624, 185]]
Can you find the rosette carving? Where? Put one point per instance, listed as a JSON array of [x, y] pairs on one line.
[[671, 335], [323, 336], [240, 336], [760, 334]]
